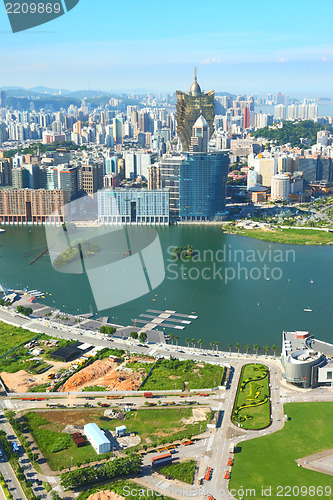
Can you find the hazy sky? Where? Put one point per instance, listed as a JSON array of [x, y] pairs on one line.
[[238, 46]]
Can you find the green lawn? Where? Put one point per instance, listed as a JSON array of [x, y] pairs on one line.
[[252, 409], [270, 460], [12, 336], [154, 426], [183, 471], [291, 236], [171, 374]]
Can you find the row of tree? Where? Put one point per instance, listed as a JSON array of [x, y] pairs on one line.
[[113, 469], [24, 310], [142, 336], [109, 330], [215, 345]]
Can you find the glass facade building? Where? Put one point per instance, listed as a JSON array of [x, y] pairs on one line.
[[202, 185]]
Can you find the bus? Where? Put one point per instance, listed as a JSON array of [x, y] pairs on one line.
[[159, 460]]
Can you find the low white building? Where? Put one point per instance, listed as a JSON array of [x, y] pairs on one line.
[[97, 438]]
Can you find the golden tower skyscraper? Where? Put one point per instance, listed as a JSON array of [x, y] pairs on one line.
[[189, 106]]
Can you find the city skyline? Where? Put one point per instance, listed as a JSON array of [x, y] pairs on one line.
[[287, 50]]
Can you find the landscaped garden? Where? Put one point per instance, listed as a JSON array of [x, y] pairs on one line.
[[271, 460], [169, 374], [127, 489], [183, 471], [252, 405]]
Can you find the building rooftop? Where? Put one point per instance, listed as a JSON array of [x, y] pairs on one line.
[[96, 433]]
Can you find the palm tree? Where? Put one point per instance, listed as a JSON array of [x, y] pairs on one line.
[[211, 344], [247, 347], [200, 343], [274, 349], [193, 342], [187, 340], [238, 346], [176, 339], [230, 347], [217, 345], [171, 336], [266, 349], [256, 348]]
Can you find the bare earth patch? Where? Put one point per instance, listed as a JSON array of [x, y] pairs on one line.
[[19, 381], [106, 495], [198, 415], [105, 373]]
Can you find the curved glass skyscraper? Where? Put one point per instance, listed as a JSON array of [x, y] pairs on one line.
[[188, 108]]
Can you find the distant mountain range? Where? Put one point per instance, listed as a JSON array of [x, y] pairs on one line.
[[41, 91]]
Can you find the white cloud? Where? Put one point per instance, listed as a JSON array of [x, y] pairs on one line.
[[214, 60]]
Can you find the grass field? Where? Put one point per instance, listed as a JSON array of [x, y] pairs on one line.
[[252, 408], [12, 336], [270, 460], [152, 425], [124, 488], [290, 236], [183, 471], [20, 359], [175, 374]]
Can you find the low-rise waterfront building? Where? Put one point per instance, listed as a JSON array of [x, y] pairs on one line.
[[133, 206]]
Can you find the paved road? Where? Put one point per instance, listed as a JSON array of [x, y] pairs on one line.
[[5, 468]]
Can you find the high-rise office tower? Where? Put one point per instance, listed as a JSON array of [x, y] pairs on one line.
[[202, 178], [2, 99], [188, 108], [246, 118]]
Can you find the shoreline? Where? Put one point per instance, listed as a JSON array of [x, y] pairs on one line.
[[287, 235]]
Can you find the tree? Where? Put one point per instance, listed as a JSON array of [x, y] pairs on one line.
[[200, 343], [246, 347], [217, 345], [171, 337], [187, 340], [256, 348], [143, 337], [176, 337], [134, 335], [230, 347], [193, 342], [238, 346], [274, 349], [266, 349]]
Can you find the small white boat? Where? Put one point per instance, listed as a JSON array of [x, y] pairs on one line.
[[308, 310], [311, 281]]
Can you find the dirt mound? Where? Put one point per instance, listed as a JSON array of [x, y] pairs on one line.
[[106, 495], [104, 373]]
